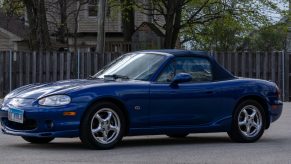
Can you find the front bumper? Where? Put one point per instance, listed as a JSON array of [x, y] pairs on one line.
[[44, 122]]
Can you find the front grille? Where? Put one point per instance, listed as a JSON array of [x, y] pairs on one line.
[[28, 124]]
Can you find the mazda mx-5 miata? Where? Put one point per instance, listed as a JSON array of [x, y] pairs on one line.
[[172, 92]]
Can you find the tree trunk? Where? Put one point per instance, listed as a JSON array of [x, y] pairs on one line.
[[63, 26], [173, 21], [39, 38], [127, 12], [43, 33], [31, 15], [100, 31]]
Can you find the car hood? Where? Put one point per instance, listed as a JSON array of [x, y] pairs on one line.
[[35, 91]]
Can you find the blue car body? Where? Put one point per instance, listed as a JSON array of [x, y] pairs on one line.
[[150, 107]]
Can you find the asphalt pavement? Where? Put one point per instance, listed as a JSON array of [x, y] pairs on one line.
[[274, 147]]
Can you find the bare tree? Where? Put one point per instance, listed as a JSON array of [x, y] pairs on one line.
[[38, 28], [197, 12], [127, 13], [63, 29], [100, 27], [60, 13]]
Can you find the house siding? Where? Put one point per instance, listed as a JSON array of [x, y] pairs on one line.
[[7, 40], [89, 23], [86, 23], [4, 42]]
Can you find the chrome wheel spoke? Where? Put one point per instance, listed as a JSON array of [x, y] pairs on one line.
[[244, 122], [113, 128], [105, 136], [98, 117], [94, 131], [253, 114], [255, 125], [108, 116], [248, 129], [245, 112]]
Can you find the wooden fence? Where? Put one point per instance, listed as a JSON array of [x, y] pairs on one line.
[[20, 68], [118, 46]]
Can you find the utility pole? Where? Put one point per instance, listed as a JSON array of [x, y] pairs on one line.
[[288, 45], [286, 56], [100, 47]]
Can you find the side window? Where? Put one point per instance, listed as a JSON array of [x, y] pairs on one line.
[[198, 67], [168, 73]]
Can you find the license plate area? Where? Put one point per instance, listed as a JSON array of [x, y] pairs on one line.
[[15, 115]]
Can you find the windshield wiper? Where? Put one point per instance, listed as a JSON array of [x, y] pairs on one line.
[[115, 76], [92, 77]]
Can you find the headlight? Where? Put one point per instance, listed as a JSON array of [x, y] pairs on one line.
[[56, 100], [21, 102]]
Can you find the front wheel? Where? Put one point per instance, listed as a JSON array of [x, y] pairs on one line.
[[38, 140], [248, 122], [103, 126]]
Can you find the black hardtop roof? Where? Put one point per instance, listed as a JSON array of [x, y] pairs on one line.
[[219, 72], [177, 52]]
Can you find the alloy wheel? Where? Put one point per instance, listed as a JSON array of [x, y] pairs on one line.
[[105, 125], [250, 121]]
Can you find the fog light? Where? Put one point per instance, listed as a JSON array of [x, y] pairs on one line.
[[70, 113]]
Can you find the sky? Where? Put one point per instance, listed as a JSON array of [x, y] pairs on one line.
[[275, 16]]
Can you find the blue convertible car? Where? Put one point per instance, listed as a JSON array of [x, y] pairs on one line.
[[172, 92]]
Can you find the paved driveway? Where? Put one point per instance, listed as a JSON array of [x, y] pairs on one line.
[[274, 147]]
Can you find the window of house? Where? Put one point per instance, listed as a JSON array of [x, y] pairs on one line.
[[108, 10], [92, 8]]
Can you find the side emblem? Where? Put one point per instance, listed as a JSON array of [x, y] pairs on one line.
[[137, 108]]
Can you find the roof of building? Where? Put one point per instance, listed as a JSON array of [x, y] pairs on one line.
[[13, 24], [153, 27]]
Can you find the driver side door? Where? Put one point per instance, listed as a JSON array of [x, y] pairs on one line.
[[188, 104]]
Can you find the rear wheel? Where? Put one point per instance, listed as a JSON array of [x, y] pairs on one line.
[[103, 126], [38, 140], [248, 122]]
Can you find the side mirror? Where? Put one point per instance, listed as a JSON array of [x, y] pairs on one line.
[[181, 78]]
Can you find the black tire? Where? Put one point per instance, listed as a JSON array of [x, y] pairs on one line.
[[237, 133], [38, 140], [178, 135], [86, 134]]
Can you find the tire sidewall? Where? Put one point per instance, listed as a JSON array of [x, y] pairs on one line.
[[85, 128]]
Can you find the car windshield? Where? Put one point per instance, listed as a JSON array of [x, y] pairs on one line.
[[138, 66]]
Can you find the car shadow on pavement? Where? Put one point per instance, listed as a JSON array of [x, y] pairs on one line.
[[167, 141], [58, 146], [130, 142], [143, 142]]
